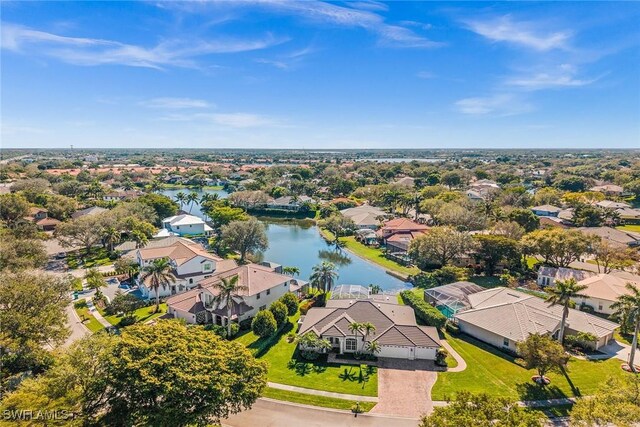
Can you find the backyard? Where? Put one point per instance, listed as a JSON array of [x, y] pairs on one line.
[[142, 315], [494, 372], [287, 367], [97, 257]]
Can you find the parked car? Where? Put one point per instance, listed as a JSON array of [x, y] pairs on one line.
[[61, 255]]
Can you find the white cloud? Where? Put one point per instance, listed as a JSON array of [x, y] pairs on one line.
[[563, 77], [242, 120], [505, 29], [175, 103], [425, 75], [89, 52], [503, 104]]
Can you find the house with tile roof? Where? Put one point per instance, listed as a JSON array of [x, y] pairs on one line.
[[396, 330], [547, 276], [184, 225], [190, 263], [503, 317], [365, 216], [263, 285], [615, 237], [92, 210], [603, 290]]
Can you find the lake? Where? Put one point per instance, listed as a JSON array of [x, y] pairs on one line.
[[297, 243], [195, 209]]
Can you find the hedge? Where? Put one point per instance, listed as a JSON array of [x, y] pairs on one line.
[[424, 311]]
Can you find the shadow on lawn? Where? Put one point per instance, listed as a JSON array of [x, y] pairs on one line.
[[263, 345], [303, 367]]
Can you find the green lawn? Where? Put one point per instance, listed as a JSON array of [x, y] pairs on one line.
[[627, 339], [83, 313], [97, 257], [375, 255], [287, 367], [496, 373], [143, 314], [486, 281], [310, 399], [635, 228]]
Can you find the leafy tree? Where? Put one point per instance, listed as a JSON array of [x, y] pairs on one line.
[[582, 198], [609, 257], [222, 215], [547, 196], [556, 246], [323, 276], [161, 204], [508, 229], [124, 303], [95, 280], [480, 410], [248, 199], [630, 303], [542, 353], [20, 254], [291, 302], [228, 289], [451, 179], [33, 189], [441, 245], [493, 250], [562, 294], [588, 216], [13, 207], [572, 183], [32, 315], [616, 403], [60, 207], [85, 231], [157, 274], [279, 311], [339, 225], [245, 237], [525, 219], [264, 324], [157, 383], [128, 266]]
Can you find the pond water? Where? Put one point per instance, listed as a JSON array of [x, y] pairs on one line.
[[195, 208], [298, 243]]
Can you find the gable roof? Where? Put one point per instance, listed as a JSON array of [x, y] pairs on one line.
[[606, 286], [563, 273], [183, 219], [515, 315], [397, 224], [180, 252], [93, 210], [613, 235], [257, 278]]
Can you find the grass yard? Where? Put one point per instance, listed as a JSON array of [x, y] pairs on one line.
[[309, 399], [287, 367], [97, 257], [376, 255], [496, 373], [486, 281], [143, 314], [83, 313], [635, 228]]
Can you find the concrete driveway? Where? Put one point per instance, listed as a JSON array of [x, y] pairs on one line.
[[404, 387]]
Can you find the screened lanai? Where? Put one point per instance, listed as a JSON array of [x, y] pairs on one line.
[[451, 298]]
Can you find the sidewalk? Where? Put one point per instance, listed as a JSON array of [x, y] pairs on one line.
[[95, 313], [353, 397], [462, 365]]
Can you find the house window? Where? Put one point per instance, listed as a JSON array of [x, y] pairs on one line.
[[351, 344], [599, 306], [258, 295], [505, 342], [268, 291], [191, 281], [207, 266], [263, 307]]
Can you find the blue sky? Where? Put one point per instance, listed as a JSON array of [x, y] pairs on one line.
[[271, 74]]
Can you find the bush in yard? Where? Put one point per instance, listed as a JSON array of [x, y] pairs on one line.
[[245, 324], [424, 311], [279, 311], [441, 357], [291, 302], [127, 321], [264, 324], [452, 328], [305, 306]]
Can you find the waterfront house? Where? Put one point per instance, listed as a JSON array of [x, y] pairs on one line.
[[186, 225]]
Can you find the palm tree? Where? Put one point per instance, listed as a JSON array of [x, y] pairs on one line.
[[368, 328], [191, 199], [228, 289], [95, 280], [561, 294], [291, 271], [631, 302], [209, 197], [95, 189], [356, 328], [110, 237], [324, 276], [156, 186], [157, 274], [373, 347], [181, 198], [126, 266]]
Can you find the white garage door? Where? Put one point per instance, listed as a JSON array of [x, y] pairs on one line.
[[394, 351], [425, 353]]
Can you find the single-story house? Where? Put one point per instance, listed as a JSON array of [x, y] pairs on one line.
[[610, 204], [547, 276], [263, 286], [610, 189], [92, 210], [602, 291], [290, 203], [552, 221], [48, 224], [503, 317], [396, 329], [616, 237], [186, 225], [118, 195], [629, 215], [406, 181], [475, 196], [546, 210], [365, 216], [400, 225]]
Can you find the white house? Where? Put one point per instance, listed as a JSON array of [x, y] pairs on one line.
[[186, 225], [290, 203], [396, 329], [602, 291], [546, 210], [547, 276], [263, 286], [190, 262], [365, 216]]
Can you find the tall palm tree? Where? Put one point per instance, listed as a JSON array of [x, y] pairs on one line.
[[356, 328], [324, 276], [631, 302], [110, 237], [191, 199], [373, 347], [561, 294], [209, 197], [156, 186], [368, 328], [291, 271], [157, 274], [181, 198], [95, 280], [228, 289]]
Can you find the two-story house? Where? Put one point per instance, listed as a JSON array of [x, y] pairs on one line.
[[262, 287], [186, 225], [190, 264]]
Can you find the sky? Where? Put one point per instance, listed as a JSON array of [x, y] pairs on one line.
[[308, 74]]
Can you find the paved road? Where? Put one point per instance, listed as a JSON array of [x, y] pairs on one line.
[[273, 413], [78, 330]]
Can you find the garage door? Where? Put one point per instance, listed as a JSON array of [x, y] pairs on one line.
[[394, 351], [425, 353]]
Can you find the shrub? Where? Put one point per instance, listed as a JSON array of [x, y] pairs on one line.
[[127, 321], [279, 311], [264, 324], [235, 328], [291, 302], [587, 308], [219, 330], [320, 300], [425, 312], [305, 306], [452, 328], [245, 324], [441, 357]]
